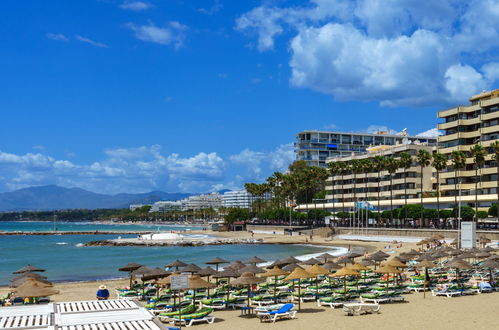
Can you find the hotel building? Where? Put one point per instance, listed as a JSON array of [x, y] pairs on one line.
[[316, 146]]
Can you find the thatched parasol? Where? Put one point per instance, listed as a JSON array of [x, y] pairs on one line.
[[352, 255], [345, 261], [289, 268], [217, 261], [32, 289], [298, 274], [176, 264], [191, 268], [360, 267], [380, 253], [236, 265], [251, 269], [331, 266], [425, 264], [311, 262], [227, 273], [29, 281], [317, 271], [196, 282], [28, 269], [387, 269], [396, 263], [344, 272], [490, 264], [255, 260], [326, 257], [275, 272], [130, 267], [248, 279]]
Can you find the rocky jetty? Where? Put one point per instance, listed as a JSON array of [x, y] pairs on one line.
[[182, 242]]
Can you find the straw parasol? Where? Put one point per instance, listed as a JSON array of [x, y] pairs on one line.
[[380, 253], [207, 272], [396, 263], [425, 264], [29, 275], [286, 261], [217, 261], [458, 264], [227, 273], [251, 269], [387, 269], [326, 257], [28, 269], [298, 274], [289, 268], [196, 282], [360, 267], [236, 265], [352, 255], [154, 274], [255, 260], [345, 261], [275, 272], [191, 268], [490, 264], [437, 237], [130, 267], [331, 266], [248, 279], [317, 271], [25, 281], [344, 272], [311, 262], [32, 289], [176, 264], [482, 254]]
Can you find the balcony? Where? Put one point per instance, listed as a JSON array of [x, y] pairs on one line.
[[444, 126], [447, 138], [487, 103], [490, 115], [490, 129], [447, 113]]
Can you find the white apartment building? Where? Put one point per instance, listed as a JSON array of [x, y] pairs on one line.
[[206, 201], [166, 206], [237, 199]]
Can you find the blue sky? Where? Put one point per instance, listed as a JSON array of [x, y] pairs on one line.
[[132, 96]]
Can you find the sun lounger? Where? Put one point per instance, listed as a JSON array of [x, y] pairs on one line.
[[202, 315], [445, 293], [214, 303], [358, 308], [283, 312], [268, 308], [166, 317], [485, 287], [332, 302]]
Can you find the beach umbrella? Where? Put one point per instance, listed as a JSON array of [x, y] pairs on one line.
[[155, 274], [29, 275], [437, 237], [458, 264], [141, 272], [275, 272], [298, 274], [387, 269], [248, 279], [255, 260], [488, 249], [360, 267], [331, 266], [207, 272], [344, 272], [289, 260], [176, 264], [251, 269], [466, 255], [396, 263], [425, 264], [345, 261], [317, 271], [130, 267], [311, 262], [413, 252], [217, 261], [289, 268], [28, 269], [380, 253], [482, 254], [33, 289], [195, 283], [21, 280], [326, 257], [490, 264], [352, 255], [422, 242], [454, 252], [236, 265], [191, 268], [227, 273]]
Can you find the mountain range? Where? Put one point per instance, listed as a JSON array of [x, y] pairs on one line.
[[59, 198]]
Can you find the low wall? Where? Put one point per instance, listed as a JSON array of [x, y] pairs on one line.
[[270, 228], [491, 234]]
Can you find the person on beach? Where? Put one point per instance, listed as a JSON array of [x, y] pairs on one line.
[[102, 293]]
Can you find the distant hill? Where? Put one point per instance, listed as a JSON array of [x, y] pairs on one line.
[[58, 198]]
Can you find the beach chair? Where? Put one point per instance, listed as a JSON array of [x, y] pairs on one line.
[[168, 316], [485, 287], [332, 302], [283, 312], [358, 308], [268, 308], [203, 315], [445, 293], [214, 303]]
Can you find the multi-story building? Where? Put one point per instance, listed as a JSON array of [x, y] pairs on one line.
[[166, 206], [316, 146], [207, 201], [375, 186], [237, 199], [464, 127]]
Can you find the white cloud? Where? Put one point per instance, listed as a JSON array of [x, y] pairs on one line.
[[373, 129], [57, 37], [330, 126], [172, 34], [398, 53], [135, 5], [91, 42], [144, 168], [216, 7], [431, 133]]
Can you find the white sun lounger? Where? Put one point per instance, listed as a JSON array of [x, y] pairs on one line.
[[358, 308], [26, 317], [449, 294]]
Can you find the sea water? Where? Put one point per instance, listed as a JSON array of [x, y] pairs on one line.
[[66, 259], [88, 226]]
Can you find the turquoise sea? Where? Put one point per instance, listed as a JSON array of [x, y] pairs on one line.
[[65, 259]]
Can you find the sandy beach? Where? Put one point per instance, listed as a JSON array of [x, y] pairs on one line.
[[468, 312]]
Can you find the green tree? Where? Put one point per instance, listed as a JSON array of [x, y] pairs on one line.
[[446, 214], [478, 153], [423, 159], [493, 210], [392, 165], [237, 214], [458, 162], [467, 212], [405, 163], [482, 214], [495, 150], [440, 164]]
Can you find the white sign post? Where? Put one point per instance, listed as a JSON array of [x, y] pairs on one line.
[[179, 282], [468, 234]]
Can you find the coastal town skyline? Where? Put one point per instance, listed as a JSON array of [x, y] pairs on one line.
[[134, 96]]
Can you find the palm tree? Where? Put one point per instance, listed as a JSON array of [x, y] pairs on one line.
[[439, 163], [405, 163], [478, 153], [251, 188], [458, 162], [379, 165], [392, 165], [423, 159], [334, 169], [495, 147]]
